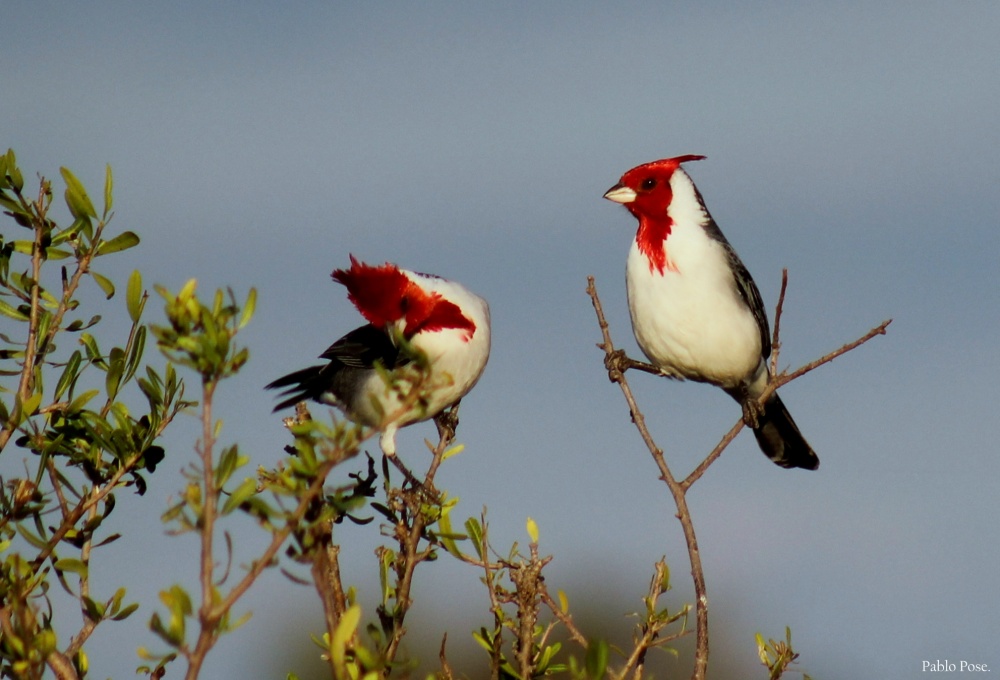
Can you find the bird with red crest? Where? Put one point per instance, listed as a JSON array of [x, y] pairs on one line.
[[424, 347], [696, 311]]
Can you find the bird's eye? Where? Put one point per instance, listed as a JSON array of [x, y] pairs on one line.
[[648, 183]]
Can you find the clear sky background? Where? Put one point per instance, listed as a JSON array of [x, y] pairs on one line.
[[258, 144]]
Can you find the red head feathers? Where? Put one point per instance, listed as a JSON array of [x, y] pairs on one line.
[[645, 190], [386, 294]]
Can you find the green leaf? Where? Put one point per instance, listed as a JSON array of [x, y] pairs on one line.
[[547, 655], [563, 602], [77, 404], [14, 313], [105, 284], [110, 539], [116, 367], [135, 355], [78, 325], [475, 531], [95, 610], [69, 375], [236, 498], [93, 351], [9, 169], [532, 527], [57, 254], [341, 636], [483, 638], [108, 186], [596, 661], [30, 405], [248, 307], [31, 538], [229, 461], [75, 566], [448, 536], [126, 612], [77, 199], [135, 296], [453, 451], [123, 241]]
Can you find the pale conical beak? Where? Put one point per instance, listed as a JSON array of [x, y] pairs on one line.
[[620, 194]]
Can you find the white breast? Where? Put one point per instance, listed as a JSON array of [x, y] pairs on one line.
[[456, 362], [690, 319]]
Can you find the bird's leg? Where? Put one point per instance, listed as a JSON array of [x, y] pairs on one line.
[[447, 421], [752, 412], [752, 409], [617, 363]]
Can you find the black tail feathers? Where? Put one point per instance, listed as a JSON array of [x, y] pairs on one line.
[[779, 438], [307, 383]]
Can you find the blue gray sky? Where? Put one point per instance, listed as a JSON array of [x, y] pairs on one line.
[[257, 144]]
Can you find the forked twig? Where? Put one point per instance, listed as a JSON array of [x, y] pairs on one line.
[[617, 363]]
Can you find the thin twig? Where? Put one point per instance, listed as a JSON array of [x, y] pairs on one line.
[[785, 378], [726, 440], [776, 339], [410, 555], [208, 629], [326, 577], [617, 363], [676, 490], [564, 617]]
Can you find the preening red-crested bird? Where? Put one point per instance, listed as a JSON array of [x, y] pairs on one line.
[[696, 312], [411, 317]]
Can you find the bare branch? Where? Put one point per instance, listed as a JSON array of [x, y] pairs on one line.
[[564, 617], [776, 339], [617, 364], [409, 537], [616, 373], [785, 378]]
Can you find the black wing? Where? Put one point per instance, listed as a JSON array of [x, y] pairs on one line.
[[744, 282], [751, 296], [362, 347], [349, 358]]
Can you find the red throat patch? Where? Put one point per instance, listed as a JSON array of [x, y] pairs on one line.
[[653, 194], [652, 241], [385, 295]]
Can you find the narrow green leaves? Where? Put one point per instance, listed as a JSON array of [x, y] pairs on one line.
[[108, 188], [201, 336], [475, 532], [135, 296], [75, 566], [13, 312], [248, 308], [69, 374], [596, 660], [116, 367], [123, 241], [345, 630], [77, 199], [10, 174], [105, 283], [178, 603], [239, 495]]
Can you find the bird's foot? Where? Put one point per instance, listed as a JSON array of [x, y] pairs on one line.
[[617, 363], [447, 422], [752, 412]]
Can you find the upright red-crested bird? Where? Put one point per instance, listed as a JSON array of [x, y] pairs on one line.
[[696, 312], [440, 319]]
